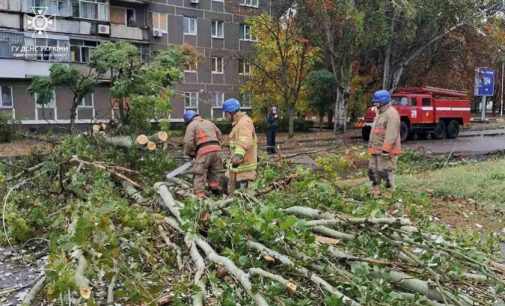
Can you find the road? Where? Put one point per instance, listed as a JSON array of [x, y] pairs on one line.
[[471, 145]]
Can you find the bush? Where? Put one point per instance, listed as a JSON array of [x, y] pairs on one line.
[[7, 128]]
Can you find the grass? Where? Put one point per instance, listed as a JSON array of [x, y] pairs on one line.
[[483, 182]]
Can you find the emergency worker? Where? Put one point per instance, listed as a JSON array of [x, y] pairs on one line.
[[202, 142], [384, 145], [243, 145]]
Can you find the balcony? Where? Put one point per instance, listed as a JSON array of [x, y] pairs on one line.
[[21, 69], [10, 5], [49, 7], [126, 32]]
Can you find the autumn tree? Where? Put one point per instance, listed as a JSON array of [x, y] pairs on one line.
[[282, 59], [400, 32]]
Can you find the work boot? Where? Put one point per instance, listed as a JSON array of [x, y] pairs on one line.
[[376, 191]]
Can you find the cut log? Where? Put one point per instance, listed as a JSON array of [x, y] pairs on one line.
[[316, 279], [142, 140], [151, 146], [160, 137]]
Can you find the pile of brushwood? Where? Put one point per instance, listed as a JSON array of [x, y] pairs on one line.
[[116, 233]]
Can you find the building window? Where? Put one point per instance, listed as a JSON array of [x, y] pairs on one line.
[[144, 52], [246, 33], [190, 66], [6, 97], [80, 50], [92, 9], [246, 101], [46, 111], [52, 7], [218, 99], [251, 3], [217, 65], [123, 15], [244, 67], [191, 101], [88, 101], [217, 105], [160, 22], [217, 29], [190, 26], [50, 104]]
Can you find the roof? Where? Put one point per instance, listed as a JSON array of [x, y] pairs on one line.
[[435, 91]]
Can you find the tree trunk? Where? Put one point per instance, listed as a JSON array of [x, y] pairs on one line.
[[397, 76], [340, 120], [387, 68], [386, 79], [73, 113], [291, 119]]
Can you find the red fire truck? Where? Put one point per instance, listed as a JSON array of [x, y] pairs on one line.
[[427, 110]]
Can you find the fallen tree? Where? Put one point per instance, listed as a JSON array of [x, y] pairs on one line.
[[294, 240]]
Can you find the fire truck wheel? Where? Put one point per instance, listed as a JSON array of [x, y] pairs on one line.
[[453, 129], [365, 133], [404, 131], [440, 131]]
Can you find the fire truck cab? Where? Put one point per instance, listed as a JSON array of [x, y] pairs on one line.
[[427, 110]]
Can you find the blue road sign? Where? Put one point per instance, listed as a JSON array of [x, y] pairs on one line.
[[484, 82]]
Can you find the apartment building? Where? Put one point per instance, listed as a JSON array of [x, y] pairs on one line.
[[34, 34]]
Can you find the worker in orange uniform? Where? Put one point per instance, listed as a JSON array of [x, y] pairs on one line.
[[202, 142], [384, 145], [243, 145]]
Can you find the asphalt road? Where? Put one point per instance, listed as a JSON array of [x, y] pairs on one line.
[[469, 145]]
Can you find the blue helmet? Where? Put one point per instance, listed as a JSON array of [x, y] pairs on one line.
[[231, 106], [189, 115], [381, 97]]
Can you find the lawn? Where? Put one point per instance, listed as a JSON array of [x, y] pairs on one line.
[[480, 181]]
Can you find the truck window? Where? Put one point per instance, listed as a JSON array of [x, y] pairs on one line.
[[404, 101], [426, 102]]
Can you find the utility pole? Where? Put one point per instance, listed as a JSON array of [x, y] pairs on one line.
[[483, 106], [502, 81]]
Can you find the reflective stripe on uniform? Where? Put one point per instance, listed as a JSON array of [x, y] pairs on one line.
[[245, 168]]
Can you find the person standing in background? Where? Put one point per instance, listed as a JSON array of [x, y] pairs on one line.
[[272, 126]]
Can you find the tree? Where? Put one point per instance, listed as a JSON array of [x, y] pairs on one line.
[[321, 92], [282, 59], [64, 75], [146, 87], [399, 32], [335, 27]]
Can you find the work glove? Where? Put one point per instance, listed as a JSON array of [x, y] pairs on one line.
[[236, 160]]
